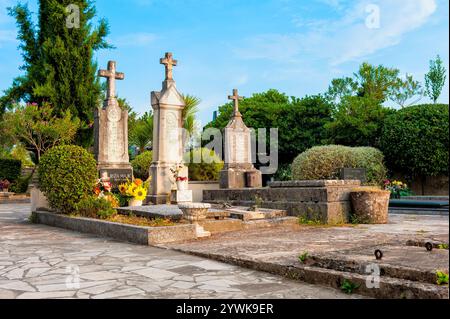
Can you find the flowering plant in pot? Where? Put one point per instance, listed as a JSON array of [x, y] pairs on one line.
[[397, 188], [179, 179], [134, 191]]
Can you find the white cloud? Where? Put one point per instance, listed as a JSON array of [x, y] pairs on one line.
[[346, 38], [135, 39]]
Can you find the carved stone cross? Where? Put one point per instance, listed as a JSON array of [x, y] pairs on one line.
[[112, 76], [235, 97], [169, 62]]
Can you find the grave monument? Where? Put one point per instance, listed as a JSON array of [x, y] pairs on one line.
[[111, 132], [238, 171], [168, 144]]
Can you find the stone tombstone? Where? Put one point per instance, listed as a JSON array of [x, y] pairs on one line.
[[238, 171], [167, 105], [111, 132], [357, 174]]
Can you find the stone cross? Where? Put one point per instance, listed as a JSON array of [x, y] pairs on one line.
[[112, 76], [236, 99], [169, 62]]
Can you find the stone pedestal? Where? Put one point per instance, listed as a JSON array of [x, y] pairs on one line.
[[183, 196], [194, 212]]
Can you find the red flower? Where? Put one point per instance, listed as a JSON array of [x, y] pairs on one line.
[[97, 191], [107, 186]]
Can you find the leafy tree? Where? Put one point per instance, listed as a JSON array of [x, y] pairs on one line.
[[375, 82], [58, 61], [406, 89], [140, 133], [435, 79], [189, 112], [38, 128], [415, 140], [358, 121]]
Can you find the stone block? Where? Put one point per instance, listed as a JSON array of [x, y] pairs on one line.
[[183, 196]]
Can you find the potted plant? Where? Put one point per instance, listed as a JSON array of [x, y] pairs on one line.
[[398, 189], [181, 181], [370, 205], [135, 192]]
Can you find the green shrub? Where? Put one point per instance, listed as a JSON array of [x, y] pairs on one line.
[[325, 162], [415, 140], [10, 169], [20, 186], [284, 172], [203, 164], [141, 165], [94, 207], [66, 175]]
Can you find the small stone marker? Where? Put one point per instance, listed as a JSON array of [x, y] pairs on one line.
[[357, 174], [111, 132], [238, 171]]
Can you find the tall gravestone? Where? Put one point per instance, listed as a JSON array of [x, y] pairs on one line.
[[168, 105], [111, 132], [238, 171]]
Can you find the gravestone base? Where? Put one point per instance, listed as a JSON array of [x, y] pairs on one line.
[[118, 173], [184, 196], [240, 177], [158, 199]]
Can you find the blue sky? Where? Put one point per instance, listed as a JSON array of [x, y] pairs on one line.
[[295, 46]]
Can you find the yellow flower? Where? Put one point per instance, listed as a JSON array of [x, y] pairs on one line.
[[123, 188], [140, 193]]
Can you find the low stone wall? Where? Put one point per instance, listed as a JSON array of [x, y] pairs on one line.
[[328, 200], [198, 187], [130, 233]]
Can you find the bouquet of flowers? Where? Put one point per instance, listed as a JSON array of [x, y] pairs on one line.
[[4, 185], [135, 189], [176, 170], [397, 188], [103, 189]]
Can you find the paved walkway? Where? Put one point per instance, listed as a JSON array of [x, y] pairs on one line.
[[38, 261]]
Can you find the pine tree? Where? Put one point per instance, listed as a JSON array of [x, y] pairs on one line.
[[58, 60]]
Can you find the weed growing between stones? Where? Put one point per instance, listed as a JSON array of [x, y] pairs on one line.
[[303, 257], [441, 278], [349, 287]]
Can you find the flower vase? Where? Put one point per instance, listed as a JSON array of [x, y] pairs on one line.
[[135, 203], [182, 185]]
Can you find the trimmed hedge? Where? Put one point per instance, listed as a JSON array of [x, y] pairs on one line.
[[141, 165], [203, 164], [10, 169], [67, 174], [415, 140], [325, 162]]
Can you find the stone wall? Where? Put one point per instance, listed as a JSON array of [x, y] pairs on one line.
[[198, 187], [428, 185], [327, 200]]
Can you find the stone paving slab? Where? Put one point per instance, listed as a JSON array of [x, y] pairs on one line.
[[343, 251], [43, 262], [286, 243]]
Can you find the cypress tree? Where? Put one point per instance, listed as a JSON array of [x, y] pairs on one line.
[[58, 59]]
